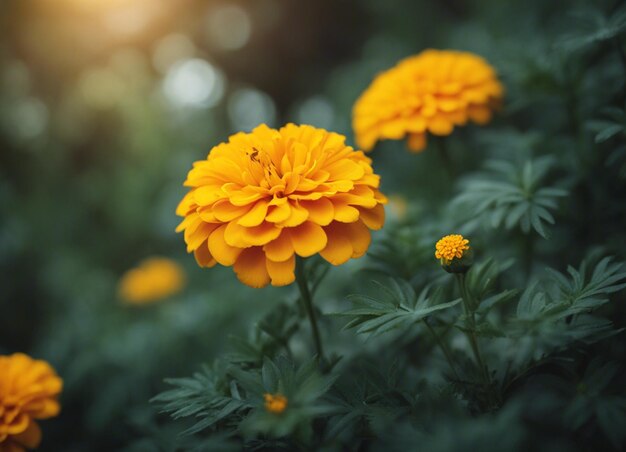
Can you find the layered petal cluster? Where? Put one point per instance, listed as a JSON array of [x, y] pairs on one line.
[[431, 92], [153, 279], [264, 197], [451, 247], [28, 391]]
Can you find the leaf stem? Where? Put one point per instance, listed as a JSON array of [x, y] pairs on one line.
[[442, 148], [620, 51], [529, 247], [469, 310], [305, 296], [444, 348], [622, 57]]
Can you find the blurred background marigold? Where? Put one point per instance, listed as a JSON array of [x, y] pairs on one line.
[[431, 92], [29, 390], [153, 279]]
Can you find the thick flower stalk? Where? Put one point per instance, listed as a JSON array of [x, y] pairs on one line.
[[265, 197], [427, 93], [456, 256], [153, 279], [28, 391]]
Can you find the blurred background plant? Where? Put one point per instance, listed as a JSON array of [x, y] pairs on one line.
[[105, 104]]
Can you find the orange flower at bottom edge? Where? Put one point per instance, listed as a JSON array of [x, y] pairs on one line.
[[28, 391]]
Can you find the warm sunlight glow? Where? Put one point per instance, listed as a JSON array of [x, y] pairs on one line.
[[121, 17], [101, 5]]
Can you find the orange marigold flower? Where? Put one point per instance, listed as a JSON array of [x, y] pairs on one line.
[[451, 247], [28, 390], [155, 278], [264, 197], [275, 403], [429, 92]]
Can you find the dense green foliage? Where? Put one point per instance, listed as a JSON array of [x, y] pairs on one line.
[[526, 350]]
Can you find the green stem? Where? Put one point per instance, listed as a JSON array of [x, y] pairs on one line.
[[471, 334], [305, 295], [444, 349], [622, 57], [620, 51], [528, 252], [442, 148]]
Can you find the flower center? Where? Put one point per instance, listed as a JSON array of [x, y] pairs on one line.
[[271, 177], [262, 158], [451, 247]]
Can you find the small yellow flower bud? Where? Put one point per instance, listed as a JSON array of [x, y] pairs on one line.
[[454, 253]]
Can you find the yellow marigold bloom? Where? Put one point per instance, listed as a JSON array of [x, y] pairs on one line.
[[28, 390], [155, 278], [429, 92], [275, 403], [264, 197], [451, 247]]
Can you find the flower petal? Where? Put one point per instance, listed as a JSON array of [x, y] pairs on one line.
[[373, 218], [29, 438], [279, 249], [261, 235], [282, 273], [417, 142], [18, 424], [360, 238], [345, 213], [203, 256], [440, 125], [308, 239], [320, 211], [298, 216], [195, 238], [256, 215], [221, 251], [251, 267], [279, 210], [224, 211], [339, 249]]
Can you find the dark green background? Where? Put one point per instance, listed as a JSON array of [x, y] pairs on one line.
[[90, 174]]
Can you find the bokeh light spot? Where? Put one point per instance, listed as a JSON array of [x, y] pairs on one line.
[[249, 107], [29, 118], [316, 111], [101, 88], [172, 49], [194, 83], [229, 27]]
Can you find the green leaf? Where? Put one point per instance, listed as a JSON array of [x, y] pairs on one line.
[[609, 133], [593, 27], [270, 374], [399, 307], [488, 303], [509, 195], [611, 414]]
